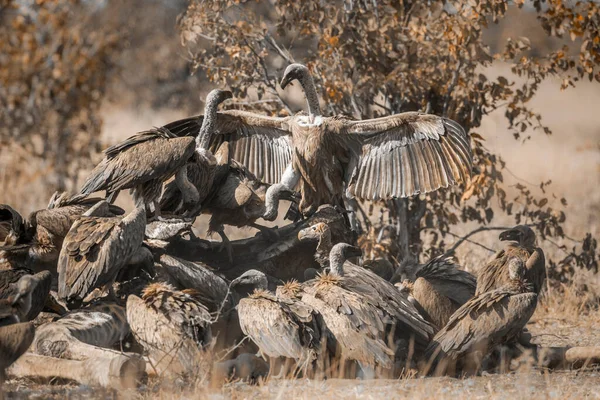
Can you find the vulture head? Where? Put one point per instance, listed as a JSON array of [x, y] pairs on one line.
[[275, 193], [255, 278], [24, 288], [339, 254], [521, 234], [314, 232], [217, 96], [294, 72]]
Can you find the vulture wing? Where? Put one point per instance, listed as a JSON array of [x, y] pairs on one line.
[[489, 318], [404, 154], [260, 143]]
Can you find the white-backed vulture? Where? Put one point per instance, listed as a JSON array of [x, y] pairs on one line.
[[15, 339], [144, 161], [487, 320], [253, 279], [173, 327], [282, 326], [522, 245], [395, 156], [437, 288], [96, 249], [406, 318], [27, 292]]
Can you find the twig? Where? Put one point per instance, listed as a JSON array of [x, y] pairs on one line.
[[468, 235], [279, 50], [452, 86]]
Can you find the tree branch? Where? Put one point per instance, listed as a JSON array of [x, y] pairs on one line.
[[468, 235]]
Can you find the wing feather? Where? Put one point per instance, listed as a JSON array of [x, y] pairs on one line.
[[424, 152]]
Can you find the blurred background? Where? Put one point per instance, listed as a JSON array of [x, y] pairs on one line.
[[77, 76]]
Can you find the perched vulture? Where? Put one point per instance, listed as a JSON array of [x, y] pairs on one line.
[[489, 319], [522, 245], [144, 161], [172, 326], [96, 249]]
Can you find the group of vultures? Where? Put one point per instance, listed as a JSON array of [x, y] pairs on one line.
[[87, 288]]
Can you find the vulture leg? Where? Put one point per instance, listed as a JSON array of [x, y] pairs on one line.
[[225, 244], [269, 233], [191, 197]]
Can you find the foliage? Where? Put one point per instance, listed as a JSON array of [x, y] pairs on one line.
[[52, 79], [373, 58]]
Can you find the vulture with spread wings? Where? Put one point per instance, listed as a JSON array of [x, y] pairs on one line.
[[331, 157]]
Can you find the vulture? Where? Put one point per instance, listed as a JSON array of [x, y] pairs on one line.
[[487, 320], [96, 249], [521, 245], [409, 322], [253, 279], [236, 198], [437, 288], [144, 161], [27, 292], [281, 325], [38, 239], [362, 311], [395, 156], [330, 157], [172, 326], [15, 339]]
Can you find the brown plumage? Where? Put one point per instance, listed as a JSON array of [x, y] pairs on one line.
[[395, 156], [44, 230], [402, 313], [282, 326], [487, 320], [144, 161], [443, 274], [95, 250], [522, 245], [361, 309], [431, 304], [14, 342], [172, 326], [27, 292]]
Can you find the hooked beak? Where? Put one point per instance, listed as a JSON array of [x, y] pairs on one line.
[[234, 282], [353, 251], [290, 195], [285, 81], [509, 235]]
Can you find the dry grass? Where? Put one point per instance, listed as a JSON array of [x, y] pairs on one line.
[[570, 158]]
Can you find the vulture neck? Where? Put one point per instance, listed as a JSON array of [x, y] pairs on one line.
[[323, 249], [272, 202], [336, 263], [312, 100], [209, 123]]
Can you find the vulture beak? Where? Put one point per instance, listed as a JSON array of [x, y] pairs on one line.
[[511, 234], [234, 282], [352, 251], [285, 81], [290, 195]]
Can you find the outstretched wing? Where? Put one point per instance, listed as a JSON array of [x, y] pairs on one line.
[[405, 154], [259, 142]]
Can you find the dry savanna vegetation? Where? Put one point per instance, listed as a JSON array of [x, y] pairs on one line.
[[521, 77]]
